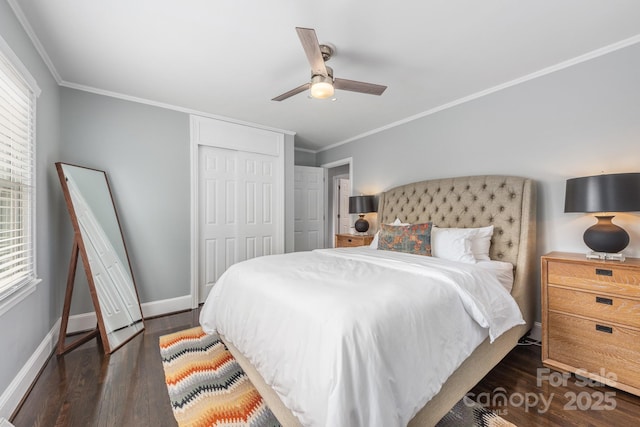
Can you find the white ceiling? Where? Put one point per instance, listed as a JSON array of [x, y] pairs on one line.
[[229, 58]]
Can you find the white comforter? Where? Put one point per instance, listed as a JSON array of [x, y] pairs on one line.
[[357, 337]]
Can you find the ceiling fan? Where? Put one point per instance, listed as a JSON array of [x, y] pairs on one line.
[[322, 83]]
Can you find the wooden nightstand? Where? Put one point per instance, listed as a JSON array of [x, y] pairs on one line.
[[591, 318], [352, 240]]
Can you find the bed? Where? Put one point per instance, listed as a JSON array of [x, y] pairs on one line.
[[506, 202]]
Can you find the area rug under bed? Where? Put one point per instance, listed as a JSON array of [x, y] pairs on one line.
[[208, 388], [206, 385]]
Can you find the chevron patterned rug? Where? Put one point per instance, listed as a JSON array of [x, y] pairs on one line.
[[208, 388], [473, 415], [206, 385]]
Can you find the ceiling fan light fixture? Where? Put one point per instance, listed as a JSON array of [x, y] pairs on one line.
[[321, 87], [322, 84]]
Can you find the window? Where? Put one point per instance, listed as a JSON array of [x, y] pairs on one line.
[[17, 176]]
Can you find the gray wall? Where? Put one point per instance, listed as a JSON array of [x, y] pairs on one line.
[[579, 121], [25, 325], [305, 158], [145, 153]]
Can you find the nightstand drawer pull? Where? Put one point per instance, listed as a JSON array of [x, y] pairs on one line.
[[601, 300], [604, 272], [349, 240], [607, 329]]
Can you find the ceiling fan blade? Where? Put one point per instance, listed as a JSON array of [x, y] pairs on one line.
[[362, 87], [312, 49], [292, 92]]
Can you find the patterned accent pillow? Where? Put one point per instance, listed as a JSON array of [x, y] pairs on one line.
[[414, 239]]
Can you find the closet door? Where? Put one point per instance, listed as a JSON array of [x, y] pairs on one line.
[[238, 198], [256, 205], [217, 215], [237, 209]]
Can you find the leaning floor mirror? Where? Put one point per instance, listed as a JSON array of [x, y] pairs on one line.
[[99, 243]]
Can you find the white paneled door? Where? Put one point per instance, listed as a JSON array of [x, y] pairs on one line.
[[344, 218], [309, 208], [238, 210]]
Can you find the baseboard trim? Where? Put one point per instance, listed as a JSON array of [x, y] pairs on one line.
[[19, 387], [82, 322], [87, 321], [166, 306]]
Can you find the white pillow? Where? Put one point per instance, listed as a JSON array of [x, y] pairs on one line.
[[397, 222], [481, 243], [453, 244]]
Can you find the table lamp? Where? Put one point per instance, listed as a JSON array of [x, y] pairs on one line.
[[361, 205], [604, 194]]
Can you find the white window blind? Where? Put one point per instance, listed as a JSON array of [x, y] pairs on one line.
[[17, 179]]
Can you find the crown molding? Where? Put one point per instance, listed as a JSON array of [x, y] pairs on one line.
[[54, 72], [150, 102], [543, 72], [13, 4], [305, 150]]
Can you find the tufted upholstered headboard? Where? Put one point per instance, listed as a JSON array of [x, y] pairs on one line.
[[507, 202]]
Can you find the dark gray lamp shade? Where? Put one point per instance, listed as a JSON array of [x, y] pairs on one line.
[[361, 205], [604, 193]]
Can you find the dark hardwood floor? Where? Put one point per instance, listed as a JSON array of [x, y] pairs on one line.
[[539, 396], [87, 388]]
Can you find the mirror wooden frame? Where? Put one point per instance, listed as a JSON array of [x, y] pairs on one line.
[[79, 249]]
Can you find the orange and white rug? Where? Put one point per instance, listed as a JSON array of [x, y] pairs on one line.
[[206, 385]]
